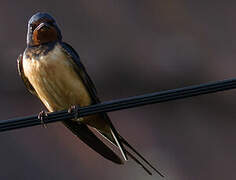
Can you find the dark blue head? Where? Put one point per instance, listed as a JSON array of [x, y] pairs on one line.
[[42, 29]]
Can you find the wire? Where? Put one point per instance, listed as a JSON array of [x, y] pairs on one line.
[[119, 104]]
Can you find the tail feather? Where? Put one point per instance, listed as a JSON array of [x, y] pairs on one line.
[[118, 143], [88, 137], [124, 142], [138, 162], [116, 138], [139, 155]]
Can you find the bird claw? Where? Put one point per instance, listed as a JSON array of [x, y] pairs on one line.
[[74, 110], [42, 116]]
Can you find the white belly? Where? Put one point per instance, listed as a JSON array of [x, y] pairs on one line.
[[55, 81]]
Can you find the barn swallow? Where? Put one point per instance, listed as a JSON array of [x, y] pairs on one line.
[[51, 70]]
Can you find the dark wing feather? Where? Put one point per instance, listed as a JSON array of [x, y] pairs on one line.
[[88, 137], [80, 69], [22, 75]]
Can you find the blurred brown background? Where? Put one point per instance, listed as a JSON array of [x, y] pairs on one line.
[[129, 47]]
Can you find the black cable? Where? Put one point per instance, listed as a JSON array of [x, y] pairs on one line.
[[125, 103]]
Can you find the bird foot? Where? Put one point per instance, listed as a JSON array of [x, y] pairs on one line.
[[75, 111], [42, 116]]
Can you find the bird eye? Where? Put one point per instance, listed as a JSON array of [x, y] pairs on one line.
[[33, 26]]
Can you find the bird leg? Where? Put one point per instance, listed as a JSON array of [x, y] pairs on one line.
[[75, 111], [42, 116]]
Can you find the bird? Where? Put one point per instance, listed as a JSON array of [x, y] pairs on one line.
[[52, 71]]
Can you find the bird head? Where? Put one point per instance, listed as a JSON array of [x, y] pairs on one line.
[[42, 29]]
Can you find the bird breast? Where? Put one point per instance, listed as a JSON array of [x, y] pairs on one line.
[[55, 80]]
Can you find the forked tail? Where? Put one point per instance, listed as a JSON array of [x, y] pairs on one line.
[[113, 137], [140, 156], [116, 139]]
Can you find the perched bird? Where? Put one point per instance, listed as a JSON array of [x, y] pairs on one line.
[[51, 69]]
